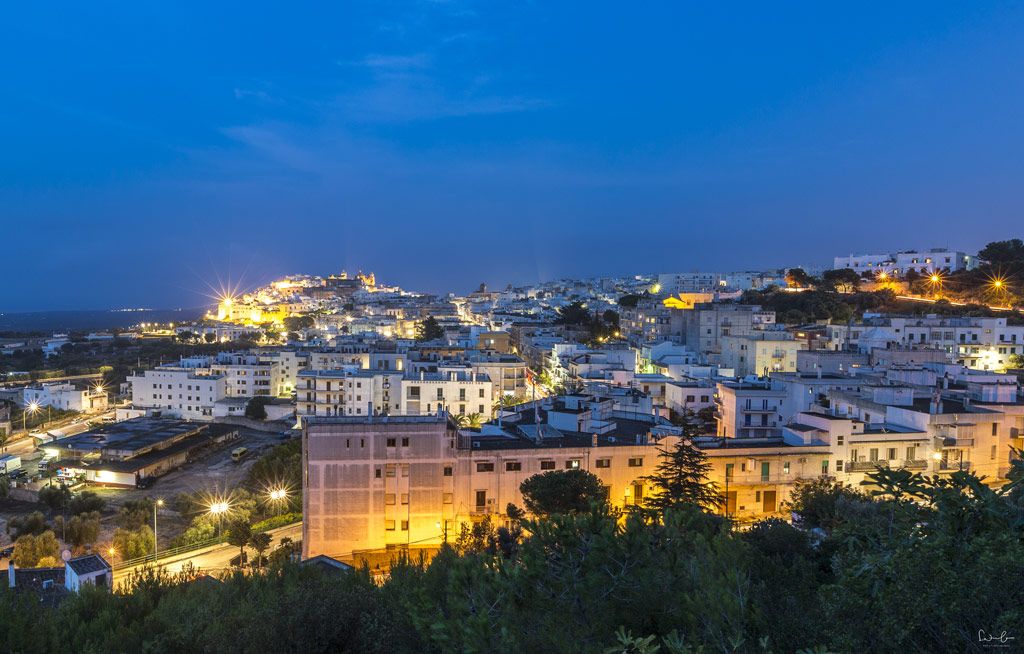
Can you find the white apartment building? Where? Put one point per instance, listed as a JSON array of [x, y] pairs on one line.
[[66, 396], [924, 262], [759, 352], [705, 324], [749, 410], [451, 391], [289, 364], [320, 393], [247, 375], [185, 392], [976, 342]]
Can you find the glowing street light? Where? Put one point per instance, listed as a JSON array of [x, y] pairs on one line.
[[278, 494], [156, 541]]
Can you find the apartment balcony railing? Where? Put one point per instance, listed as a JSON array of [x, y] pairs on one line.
[[868, 466], [952, 466]]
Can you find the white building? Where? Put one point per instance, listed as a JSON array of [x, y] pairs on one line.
[[925, 262], [456, 392], [66, 396], [759, 352], [188, 393], [247, 375]]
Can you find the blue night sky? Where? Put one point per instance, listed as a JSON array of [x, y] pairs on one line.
[[148, 149]]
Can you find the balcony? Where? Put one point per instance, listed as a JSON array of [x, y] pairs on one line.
[[871, 466]]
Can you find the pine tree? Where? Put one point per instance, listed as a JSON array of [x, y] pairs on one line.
[[682, 478], [429, 330]]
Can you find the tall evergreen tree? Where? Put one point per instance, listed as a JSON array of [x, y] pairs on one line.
[[429, 330], [682, 478]]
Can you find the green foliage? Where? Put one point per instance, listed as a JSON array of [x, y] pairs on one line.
[[135, 514], [31, 551], [80, 530], [277, 521], [429, 330], [55, 496], [281, 467], [915, 564], [86, 502], [239, 534], [799, 278], [562, 491], [681, 477], [260, 543], [845, 280], [298, 323], [32, 524], [133, 543], [256, 408]]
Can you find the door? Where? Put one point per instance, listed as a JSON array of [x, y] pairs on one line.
[[768, 501], [730, 503]]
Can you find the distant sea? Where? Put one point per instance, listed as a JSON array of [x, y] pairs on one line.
[[55, 321]]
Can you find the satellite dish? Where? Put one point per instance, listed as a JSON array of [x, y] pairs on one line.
[[66, 555]]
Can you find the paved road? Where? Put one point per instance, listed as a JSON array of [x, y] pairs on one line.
[[214, 558]]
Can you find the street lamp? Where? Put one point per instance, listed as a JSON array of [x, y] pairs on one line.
[[218, 509], [32, 408], [156, 541]]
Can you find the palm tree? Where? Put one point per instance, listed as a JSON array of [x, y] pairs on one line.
[[474, 420], [461, 420]]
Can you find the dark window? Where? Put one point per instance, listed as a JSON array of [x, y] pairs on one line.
[[603, 463], [485, 466], [447, 471], [513, 466], [636, 462], [391, 442], [547, 465]]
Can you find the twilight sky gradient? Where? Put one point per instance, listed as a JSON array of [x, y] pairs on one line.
[[149, 148]]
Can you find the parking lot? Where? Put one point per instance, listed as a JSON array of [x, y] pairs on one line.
[[216, 473]]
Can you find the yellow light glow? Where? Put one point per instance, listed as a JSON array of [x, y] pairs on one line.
[[937, 456], [935, 278], [997, 283], [883, 275]]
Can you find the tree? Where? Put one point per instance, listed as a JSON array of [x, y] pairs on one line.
[[298, 323], [134, 543], [574, 314], [32, 551], [429, 330], [256, 408], [561, 492], [822, 503], [239, 534], [187, 337], [798, 278], [86, 502], [33, 524], [209, 337], [1003, 252], [681, 478], [1016, 361], [81, 530], [845, 280], [54, 497], [260, 542]]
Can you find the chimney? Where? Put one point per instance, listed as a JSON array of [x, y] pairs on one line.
[[593, 440]]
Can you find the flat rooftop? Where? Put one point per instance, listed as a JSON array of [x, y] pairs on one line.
[[134, 434]]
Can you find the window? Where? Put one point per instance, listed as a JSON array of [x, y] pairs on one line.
[[547, 465], [995, 428], [440, 393], [785, 467], [603, 463], [824, 466], [447, 471], [729, 470], [873, 454], [891, 454], [405, 498], [481, 392], [405, 442], [572, 464], [513, 466], [405, 525], [485, 466], [390, 472], [766, 470], [376, 473], [447, 498], [389, 525], [839, 465], [391, 442], [462, 394], [389, 499], [481, 499], [911, 453], [636, 461]]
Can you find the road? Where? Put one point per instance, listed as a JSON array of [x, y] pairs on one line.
[[211, 559]]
